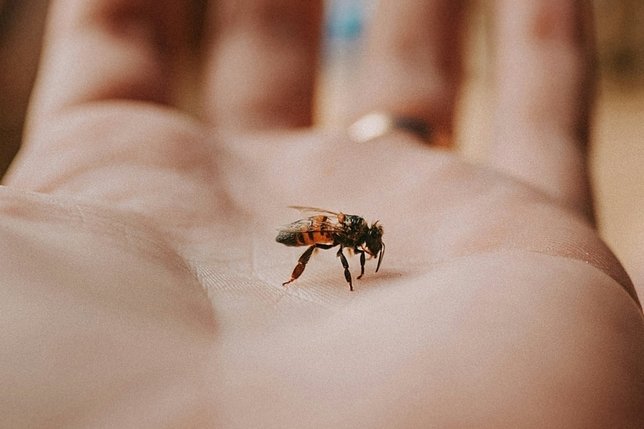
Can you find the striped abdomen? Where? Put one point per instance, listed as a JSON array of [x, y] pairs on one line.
[[307, 232]]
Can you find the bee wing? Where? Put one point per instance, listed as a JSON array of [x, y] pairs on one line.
[[313, 210], [297, 226], [313, 224]]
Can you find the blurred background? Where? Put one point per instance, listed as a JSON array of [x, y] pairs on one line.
[[617, 157]]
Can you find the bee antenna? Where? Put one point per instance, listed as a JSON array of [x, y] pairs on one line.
[[382, 252]]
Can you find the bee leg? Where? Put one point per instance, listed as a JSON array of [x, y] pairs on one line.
[[301, 264], [345, 264], [362, 262]]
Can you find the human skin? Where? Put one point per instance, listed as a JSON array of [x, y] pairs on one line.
[[141, 284]]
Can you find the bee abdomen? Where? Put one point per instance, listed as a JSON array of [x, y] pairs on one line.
[[304, 238], [290, 238]]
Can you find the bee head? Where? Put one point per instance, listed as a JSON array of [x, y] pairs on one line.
[[373, 242]]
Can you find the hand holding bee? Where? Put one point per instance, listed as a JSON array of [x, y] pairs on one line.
[[138, 253]]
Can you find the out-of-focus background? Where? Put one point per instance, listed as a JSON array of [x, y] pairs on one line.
[[618, 134]]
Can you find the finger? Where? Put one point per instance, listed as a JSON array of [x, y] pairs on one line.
[[412, 61], [262, 60], [109, 49], [544, 90]]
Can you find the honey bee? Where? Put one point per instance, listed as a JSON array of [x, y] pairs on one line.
[[325, 229]]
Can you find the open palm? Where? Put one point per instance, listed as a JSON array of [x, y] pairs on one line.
[[144, 282]]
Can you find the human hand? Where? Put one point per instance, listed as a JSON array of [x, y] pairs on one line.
[[143, 283]]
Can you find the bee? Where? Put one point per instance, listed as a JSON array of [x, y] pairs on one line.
[[325, 229]]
